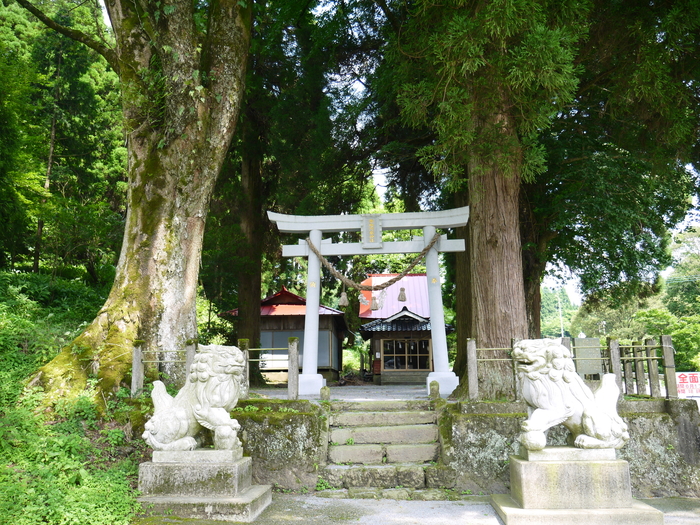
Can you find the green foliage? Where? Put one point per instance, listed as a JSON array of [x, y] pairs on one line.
[[70, 466], [556, 312], [477, 73], [38, 316], [683, 288], [684, 332], [66, 164], [51, 474], [322, 484]]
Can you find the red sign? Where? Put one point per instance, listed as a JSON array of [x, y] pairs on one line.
[[688, 384]]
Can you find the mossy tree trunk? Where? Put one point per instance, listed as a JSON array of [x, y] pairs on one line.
[[182, 71]]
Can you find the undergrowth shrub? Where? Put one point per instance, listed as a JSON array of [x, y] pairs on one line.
[[70, 467]]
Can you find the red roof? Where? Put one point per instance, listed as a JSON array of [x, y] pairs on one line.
[[416, 290], [285, 302]]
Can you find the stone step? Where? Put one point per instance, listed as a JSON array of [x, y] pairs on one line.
[[399, 434], [365, 454], [374, 454], [371, 419], [415, 453], [381, 405], [404, 493], [382, 476], [244, 507]]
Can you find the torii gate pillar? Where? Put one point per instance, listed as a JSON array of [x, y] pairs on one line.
[[310, 381], [445, 377], [371, 226]]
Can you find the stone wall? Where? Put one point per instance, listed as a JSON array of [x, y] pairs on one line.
[[663, 451], [288, 441]]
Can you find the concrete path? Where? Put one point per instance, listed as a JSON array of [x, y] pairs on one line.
[[310, 510]]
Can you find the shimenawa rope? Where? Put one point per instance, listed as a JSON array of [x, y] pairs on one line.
[[365, 287]]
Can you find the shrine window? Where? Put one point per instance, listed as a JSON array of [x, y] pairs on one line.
[[406, 354]]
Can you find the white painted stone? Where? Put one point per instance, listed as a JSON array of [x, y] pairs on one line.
[[211, 392], [311, 384], [556, 394]]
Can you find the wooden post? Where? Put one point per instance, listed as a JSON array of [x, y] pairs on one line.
[[653, 367], [639, 375], [293, 368], [516, 379], [669, 367], [615, 366], [243, 345], [472, 375], [137, 371], [627, 368]]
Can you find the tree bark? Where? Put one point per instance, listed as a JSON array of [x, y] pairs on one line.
[[495, 313], [181, 94], [534, 237]]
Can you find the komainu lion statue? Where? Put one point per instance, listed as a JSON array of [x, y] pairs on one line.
[[555, 394], [205, 401]]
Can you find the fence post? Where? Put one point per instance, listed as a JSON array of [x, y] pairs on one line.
[[293, 368], [669, 367], [639, 374], [653, 367], [615, 366], [472, 375], [566, 341], [137, 371], [627, 367], [243, 345]]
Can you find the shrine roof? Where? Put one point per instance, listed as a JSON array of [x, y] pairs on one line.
[[416, 291], [403, 321], [285, 302]]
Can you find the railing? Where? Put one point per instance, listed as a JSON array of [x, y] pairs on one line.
[[292, 360], [636, 366]]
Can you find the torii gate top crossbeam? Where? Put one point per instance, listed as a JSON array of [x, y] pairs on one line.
[[389, 221]]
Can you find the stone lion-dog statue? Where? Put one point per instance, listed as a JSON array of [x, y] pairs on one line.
[[211, 392], [556, 394]]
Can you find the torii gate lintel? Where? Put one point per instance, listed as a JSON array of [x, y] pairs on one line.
[[371, 226]]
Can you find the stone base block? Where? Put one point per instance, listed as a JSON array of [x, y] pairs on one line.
[[448, 381], [245, 507], [311, 384], [197, 456], [636, 513], [203, 479], [595, 484]]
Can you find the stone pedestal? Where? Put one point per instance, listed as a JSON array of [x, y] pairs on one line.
[[202, 484], [448, 381], [567, 485]]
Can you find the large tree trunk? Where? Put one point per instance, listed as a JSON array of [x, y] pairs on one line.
[[250, 282], [181, 98], [534, 237], [496, 297], [463, 317]]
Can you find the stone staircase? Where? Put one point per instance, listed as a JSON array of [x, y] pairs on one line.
[[381, 445]]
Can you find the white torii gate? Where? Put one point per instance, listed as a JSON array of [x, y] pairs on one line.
[[371, 226]]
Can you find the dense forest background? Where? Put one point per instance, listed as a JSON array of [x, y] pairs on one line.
[[340, 95]]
